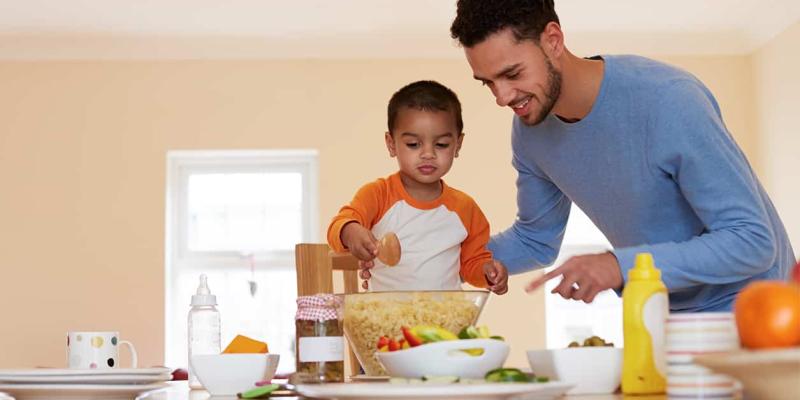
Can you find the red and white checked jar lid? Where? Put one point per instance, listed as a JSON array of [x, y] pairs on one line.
[[319, 307]]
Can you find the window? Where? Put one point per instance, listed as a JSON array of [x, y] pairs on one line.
[[236, 216], [570, 320]]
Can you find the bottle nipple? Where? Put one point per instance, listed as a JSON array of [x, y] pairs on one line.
[[203, 287], [203, 296]]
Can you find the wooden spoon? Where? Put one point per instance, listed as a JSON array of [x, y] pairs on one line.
[[389, 249]]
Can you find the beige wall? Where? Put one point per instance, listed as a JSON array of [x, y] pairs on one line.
[[82, 174], [777, 86]]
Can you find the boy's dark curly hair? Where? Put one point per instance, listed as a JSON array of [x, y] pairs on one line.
[[427, 96], [477, 19]]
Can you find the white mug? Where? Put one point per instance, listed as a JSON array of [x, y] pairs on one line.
[[96, 350]]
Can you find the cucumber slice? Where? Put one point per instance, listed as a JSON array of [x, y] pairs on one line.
[[440, 379], [507, 375]]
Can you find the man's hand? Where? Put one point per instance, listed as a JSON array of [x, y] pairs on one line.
[[497, 276], [584, 277]]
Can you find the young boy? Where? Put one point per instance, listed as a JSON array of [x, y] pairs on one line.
[[442, 232]]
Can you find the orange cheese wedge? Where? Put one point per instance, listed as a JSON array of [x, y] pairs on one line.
[[244, 344]]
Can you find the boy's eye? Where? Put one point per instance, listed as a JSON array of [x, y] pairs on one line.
[[442, 145], [412, 145]]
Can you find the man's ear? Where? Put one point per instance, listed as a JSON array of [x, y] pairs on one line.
[[552, 40], [390, 145], [458, 142]]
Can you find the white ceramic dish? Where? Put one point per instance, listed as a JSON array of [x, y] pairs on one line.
[[764, 374], [228, 374], [88, 379], [78, 392], [456, 391], [593, 370], [446, 358]]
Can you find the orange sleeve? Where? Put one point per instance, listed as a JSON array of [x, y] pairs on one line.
[[474, 253], [365, 209]]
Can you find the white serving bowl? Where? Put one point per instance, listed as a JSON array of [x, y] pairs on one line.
[[229, 374], [593, 370], [446, 359]]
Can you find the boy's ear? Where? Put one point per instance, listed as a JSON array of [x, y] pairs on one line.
[[390, 145], [458, 142]]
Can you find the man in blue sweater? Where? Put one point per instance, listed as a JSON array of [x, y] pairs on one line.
[[639, 145]]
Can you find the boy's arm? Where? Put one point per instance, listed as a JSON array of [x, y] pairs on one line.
[[363, 209], [474, 253]]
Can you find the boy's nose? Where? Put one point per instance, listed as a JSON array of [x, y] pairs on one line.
[[428, 152]]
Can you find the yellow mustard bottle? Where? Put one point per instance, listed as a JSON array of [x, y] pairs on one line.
[[645, 307]]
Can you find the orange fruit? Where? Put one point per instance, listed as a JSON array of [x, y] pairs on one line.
[[768, 315]]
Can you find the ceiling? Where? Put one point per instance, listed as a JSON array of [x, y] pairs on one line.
[[111, 29]]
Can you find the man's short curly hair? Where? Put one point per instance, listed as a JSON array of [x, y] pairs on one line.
[[425, 96], [477, 19]]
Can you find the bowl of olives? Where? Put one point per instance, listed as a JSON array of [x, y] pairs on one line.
[[593, 365]]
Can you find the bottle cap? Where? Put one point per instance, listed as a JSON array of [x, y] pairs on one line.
[[644, 268], [203, 296]]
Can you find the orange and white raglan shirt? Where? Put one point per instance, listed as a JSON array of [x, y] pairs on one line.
[[442, 241]]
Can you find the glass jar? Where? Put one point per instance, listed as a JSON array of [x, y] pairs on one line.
[[320, 338]]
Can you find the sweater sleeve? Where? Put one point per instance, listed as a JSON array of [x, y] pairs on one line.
[[533, 241], [688, 142], [363, 209], [474, 253]]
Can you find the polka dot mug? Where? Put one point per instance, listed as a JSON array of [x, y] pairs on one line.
[[96, 350]]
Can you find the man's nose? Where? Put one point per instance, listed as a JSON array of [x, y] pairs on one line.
[[503, 95]]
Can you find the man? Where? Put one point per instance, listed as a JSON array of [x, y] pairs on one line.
[[639, 145]]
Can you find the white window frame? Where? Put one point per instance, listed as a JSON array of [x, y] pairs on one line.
[[180, 165]]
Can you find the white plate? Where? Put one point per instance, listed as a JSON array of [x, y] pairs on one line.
[[4, 373], [87, 379], [455, 391], [75, 392]]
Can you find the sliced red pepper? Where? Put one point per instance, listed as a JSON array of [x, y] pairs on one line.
[[383, 341], [410, 337], [393, 345]]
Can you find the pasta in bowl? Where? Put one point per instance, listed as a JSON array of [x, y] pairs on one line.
[[369, 316]]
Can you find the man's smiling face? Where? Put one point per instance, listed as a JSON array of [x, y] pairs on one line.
[[519, 74]]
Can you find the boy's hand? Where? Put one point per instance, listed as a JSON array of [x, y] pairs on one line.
[[497, 276], [360, 241], [363, 245]]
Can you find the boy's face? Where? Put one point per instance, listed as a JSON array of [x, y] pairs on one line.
[[425, 143], [520, 74]]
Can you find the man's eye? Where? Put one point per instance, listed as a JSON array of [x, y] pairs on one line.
[[513, 76]]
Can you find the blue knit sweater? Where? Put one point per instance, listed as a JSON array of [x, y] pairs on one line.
[[655, 168]]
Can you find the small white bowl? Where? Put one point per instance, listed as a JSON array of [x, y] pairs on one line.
[[229, 374], [446, 359], [593, 370]]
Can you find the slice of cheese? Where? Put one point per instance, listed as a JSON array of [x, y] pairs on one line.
[[244, 344]]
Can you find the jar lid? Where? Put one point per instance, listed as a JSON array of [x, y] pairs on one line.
[[319, 307]]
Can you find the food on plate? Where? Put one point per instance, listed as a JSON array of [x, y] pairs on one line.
[[244, 344], [368, 318], [498, 375], [768, 314], [594, 341]]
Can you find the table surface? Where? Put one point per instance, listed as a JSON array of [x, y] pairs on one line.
[[180, 391]]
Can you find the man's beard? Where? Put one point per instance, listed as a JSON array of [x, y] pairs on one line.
[[553, 91]]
